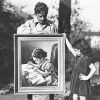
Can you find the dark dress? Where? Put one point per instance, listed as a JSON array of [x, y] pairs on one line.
[[81, 87]]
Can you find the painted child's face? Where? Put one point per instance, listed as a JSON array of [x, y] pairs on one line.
[[37, 60]]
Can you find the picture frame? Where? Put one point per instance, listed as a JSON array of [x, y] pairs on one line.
[[24, 45]]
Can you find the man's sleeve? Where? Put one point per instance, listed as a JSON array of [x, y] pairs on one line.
[[24, 28], [54, 29]]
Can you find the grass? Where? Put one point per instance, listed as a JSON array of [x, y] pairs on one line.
[[12, 97]]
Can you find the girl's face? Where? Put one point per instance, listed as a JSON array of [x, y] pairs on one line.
[[37, 60], [77, 51]]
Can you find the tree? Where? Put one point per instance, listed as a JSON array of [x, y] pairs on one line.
[[64, 16], [10, 19]]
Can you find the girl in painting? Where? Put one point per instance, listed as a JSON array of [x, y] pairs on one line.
[[44, 66]]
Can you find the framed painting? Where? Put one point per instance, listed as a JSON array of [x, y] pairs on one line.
[[36, 72]]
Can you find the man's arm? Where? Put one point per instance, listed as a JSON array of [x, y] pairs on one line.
[[24, 28]]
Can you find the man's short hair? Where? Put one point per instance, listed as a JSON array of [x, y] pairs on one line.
[[41, 8]]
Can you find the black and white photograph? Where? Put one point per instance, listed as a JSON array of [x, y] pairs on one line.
[[37, 63]]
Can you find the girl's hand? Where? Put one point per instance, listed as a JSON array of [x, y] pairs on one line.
[[35, 69], [83, 77]]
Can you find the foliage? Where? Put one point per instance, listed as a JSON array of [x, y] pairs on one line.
[[10, 19], [77, 24], [95, 54]]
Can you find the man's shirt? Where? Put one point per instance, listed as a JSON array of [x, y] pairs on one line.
[[34, 27]]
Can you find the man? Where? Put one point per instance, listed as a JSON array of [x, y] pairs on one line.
[[40, 26]]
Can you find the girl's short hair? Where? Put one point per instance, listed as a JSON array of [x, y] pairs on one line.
[[39, 53], [83, 46], [41, 8]]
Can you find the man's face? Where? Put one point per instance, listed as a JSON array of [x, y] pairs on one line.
[[41, 18]]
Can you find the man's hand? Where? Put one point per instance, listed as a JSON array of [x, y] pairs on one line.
[[42, 32]]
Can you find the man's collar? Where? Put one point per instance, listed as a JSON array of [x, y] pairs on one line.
[[46, 24]]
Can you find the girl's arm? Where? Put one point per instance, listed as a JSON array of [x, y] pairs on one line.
[[42, 72], [92, 71], [48, 69], [70, 47], [32, 65]]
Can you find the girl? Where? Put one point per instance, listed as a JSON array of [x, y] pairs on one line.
[[45, 67], [83, 69]]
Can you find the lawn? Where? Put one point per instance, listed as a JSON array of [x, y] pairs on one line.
[[12, 97]]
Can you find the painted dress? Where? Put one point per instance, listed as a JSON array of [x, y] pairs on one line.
[[51, 78]]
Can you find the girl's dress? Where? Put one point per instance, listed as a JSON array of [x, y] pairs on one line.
[[81, 87], [51, 77]]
